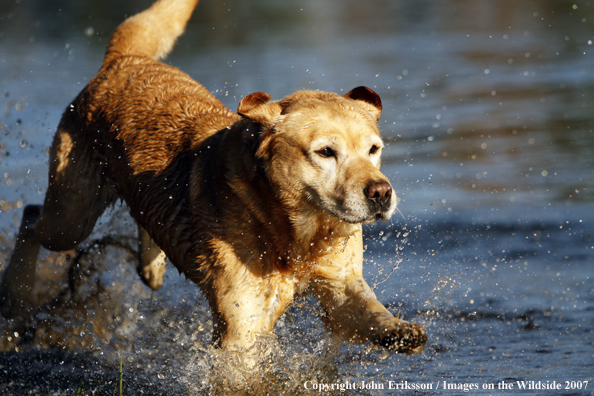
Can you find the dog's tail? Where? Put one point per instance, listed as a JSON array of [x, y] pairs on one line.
[[153, 32]]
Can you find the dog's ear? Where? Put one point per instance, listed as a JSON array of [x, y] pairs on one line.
[[367, 100], [256, 107]]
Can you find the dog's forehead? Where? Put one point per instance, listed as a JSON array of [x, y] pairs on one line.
[[338, 116], [330, 102]]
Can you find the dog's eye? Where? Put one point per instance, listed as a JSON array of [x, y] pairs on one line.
[[326, 152], [373, 149]]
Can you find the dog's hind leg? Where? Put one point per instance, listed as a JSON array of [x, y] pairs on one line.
[[19, 277], [152, 260], [77, 195]]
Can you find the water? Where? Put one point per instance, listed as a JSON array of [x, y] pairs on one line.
[[488, 117]]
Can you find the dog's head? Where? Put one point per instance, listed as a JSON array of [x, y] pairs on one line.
[[322, 150]]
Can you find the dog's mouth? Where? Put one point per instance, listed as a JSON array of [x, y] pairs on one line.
[[355, 209], [363, 215], [378, 216]]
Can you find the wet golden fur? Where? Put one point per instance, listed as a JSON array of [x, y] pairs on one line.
[[256, 207]]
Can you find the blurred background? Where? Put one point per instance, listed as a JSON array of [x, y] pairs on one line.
[[488, 119]]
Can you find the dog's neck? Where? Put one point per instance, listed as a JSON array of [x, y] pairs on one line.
[[310, 225], [317, 232]]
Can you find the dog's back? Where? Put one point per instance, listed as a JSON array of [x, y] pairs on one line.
[[153, 116], [128, 133]]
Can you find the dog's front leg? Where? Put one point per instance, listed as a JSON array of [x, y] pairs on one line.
[[351, 307], [353, 311], [245, 305]]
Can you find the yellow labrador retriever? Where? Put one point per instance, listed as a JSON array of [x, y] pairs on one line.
[[256, 206]]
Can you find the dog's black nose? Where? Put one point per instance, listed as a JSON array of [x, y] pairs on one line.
[[379, 192]]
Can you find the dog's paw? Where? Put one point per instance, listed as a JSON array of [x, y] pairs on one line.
[[403, 337]]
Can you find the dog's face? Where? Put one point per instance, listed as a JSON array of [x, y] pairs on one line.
[[323, 151]]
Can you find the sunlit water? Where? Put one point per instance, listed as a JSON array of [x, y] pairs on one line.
[[488, 117]]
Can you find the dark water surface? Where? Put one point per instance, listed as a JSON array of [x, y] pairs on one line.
[[489, 118]]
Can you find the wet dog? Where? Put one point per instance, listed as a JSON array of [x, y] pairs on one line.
[[256, 207]]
